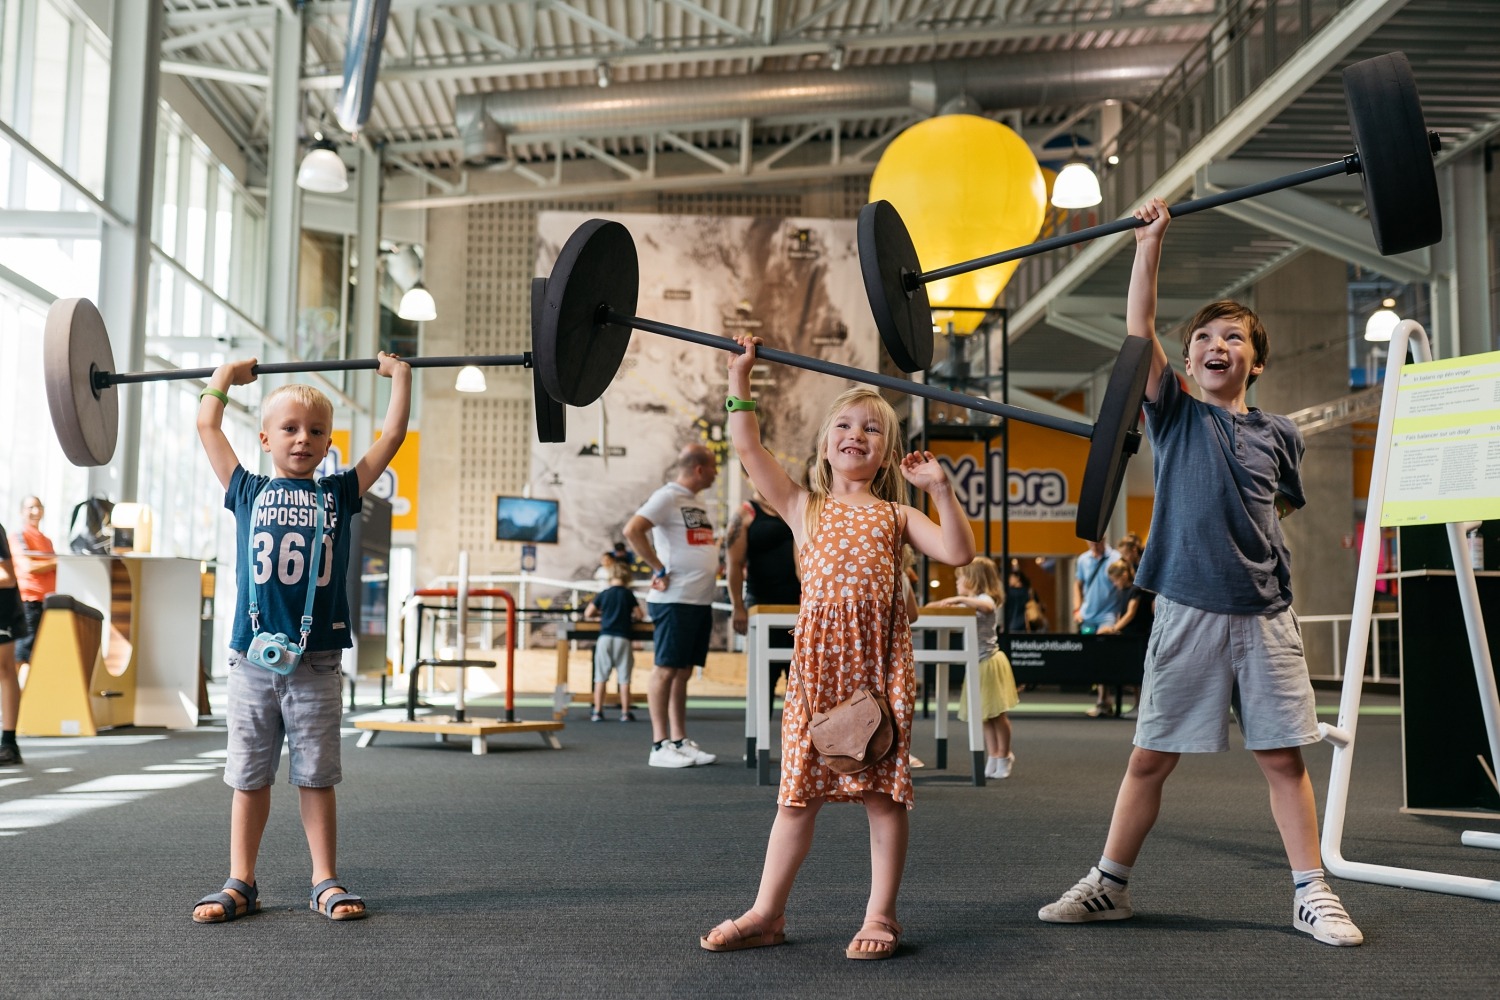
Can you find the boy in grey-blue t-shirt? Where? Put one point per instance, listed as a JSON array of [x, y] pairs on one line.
[[1225, 635]]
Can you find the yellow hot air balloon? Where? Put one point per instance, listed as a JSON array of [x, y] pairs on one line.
[[965, 187]]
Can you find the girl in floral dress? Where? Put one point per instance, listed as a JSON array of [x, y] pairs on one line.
[[849, 526]]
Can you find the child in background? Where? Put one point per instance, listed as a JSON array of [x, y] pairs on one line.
[[979, 588], [852, 632], [615, 607], [283, 525]]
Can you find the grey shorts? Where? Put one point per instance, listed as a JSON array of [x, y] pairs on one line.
[[612, 652], [1200, 664], [304, 708]]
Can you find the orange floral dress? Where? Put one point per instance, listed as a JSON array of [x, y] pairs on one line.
[[848, 584]]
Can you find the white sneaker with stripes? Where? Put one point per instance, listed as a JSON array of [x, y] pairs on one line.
[[1317, 911], [1094, 898]]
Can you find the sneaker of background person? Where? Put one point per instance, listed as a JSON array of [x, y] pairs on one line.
[[627, 716], [1000, 766], [695, 753], [10, 756], [667, 755], [596, 717], [1094, 898]]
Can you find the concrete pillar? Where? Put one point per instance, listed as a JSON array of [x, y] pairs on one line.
[[125, 250], [1304, 308]]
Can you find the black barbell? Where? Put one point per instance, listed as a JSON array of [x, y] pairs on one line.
[[586, 318], [1393, 157], [78, 365]]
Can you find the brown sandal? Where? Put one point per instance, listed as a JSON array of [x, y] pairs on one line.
[[749, 931], [885, 932]]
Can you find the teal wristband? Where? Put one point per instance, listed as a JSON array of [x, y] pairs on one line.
[[222, 397], [736, 403]]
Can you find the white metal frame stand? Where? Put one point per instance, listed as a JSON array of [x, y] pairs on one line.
[[1342, 735]]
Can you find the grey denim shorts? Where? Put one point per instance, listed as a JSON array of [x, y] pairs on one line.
[[1200, 664], [612, 652], [303, 708]]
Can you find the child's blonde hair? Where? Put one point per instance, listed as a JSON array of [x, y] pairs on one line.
[[1119, 568], [619, 577], [983, 577], [888, 482], [309, 396]]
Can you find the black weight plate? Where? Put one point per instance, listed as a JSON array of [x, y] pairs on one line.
[[903, 316], [576, 355], [1110, 444], [74, 346], [1395, 155], [551, 416]]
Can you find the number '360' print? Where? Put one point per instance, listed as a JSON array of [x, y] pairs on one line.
[[291, 561]]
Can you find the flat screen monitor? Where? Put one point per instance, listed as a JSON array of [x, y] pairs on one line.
[[519, 519]]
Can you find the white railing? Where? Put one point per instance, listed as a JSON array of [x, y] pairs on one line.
[[1340, 625]]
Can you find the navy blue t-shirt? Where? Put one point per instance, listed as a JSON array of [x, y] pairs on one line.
[[615, 605], [1216, 542], [284, 528]]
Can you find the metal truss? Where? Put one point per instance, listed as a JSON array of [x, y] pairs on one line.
[[669, 161]]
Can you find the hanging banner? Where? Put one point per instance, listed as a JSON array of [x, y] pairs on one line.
[[1041, 486]]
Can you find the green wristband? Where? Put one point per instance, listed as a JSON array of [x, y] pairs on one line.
[[222, 397], [736, 403]]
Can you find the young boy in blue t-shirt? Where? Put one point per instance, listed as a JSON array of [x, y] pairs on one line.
[[287, 526], [616, 608], [1225, 635]]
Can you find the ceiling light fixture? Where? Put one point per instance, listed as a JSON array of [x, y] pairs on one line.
[[470, 379], [323, 169], [602, 75], [1382, 322], [417, 305], [1076, 186], [836, 58]]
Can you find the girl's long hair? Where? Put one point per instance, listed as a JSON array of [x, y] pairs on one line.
[[983, 577], [888, 484]]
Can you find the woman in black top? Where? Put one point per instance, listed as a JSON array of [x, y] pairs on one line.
[[762, 568]]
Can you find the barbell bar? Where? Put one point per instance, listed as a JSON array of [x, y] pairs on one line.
[[1393, 156], [586, 321], [78, 369]]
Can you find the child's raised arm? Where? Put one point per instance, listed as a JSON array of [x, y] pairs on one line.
[[951, 540], [211, 404], [765, 472], [397, 411], [1140, 303]]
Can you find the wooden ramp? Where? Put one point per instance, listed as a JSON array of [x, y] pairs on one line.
[[443, 726]]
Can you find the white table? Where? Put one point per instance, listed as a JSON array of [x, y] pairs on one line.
[[943, 623]]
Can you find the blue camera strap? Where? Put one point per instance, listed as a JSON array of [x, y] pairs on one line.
[[312, 570]]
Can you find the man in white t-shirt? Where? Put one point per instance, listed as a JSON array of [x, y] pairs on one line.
[[673, 533]]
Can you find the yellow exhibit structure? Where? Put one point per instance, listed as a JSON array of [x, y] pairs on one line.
[[73, 689], [965, 186]]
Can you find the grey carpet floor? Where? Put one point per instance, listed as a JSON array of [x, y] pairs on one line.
[[531, 872]]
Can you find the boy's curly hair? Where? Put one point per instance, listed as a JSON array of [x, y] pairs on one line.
[[1231, 310]]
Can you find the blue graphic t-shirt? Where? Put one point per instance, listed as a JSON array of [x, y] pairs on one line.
[[276, 548]]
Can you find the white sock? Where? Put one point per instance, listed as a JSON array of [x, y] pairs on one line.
[[1301, 879], [1113, 870]]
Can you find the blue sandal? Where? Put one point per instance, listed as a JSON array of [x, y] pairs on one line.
[[232, 909], [334, 899]]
